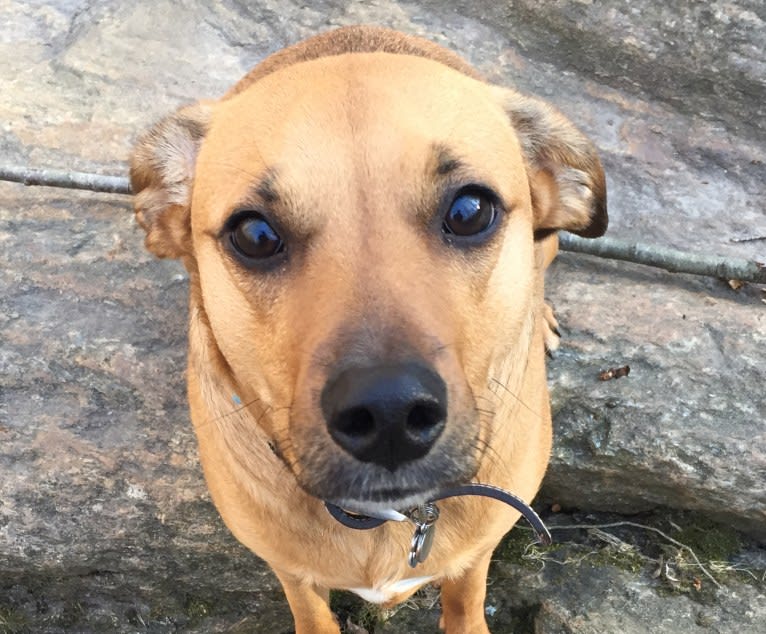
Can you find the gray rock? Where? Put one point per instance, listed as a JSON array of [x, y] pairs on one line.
[[685, 429], [105, 523]]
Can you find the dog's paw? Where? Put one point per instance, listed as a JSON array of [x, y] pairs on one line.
[[551, 334]]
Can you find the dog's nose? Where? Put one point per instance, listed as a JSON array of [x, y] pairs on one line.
[[387, 415]]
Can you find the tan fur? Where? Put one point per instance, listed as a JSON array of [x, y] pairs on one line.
[[348, 129]]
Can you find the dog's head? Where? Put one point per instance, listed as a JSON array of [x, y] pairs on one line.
[[360, 229]]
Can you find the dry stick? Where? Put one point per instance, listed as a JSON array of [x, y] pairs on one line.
[[668, 259], [69, 180], [661, 257], [749, 239]]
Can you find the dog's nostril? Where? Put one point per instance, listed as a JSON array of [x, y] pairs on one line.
[[357, 422], [425, 419]]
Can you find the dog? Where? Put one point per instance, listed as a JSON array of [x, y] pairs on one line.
[[366, 224]]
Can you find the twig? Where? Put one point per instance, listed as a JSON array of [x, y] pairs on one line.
[[63, 178], [668, 259], [662, 534], [748, 239], [661, 257]]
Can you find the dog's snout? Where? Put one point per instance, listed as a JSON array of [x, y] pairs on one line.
[[386, 415]]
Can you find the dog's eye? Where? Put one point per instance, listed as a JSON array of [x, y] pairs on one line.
[[471, 213], [254, 238]]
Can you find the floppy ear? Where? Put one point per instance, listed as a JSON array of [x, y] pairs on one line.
[[565, 174], [162, 175]]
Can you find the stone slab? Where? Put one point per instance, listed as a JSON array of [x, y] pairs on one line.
[[105, 524]]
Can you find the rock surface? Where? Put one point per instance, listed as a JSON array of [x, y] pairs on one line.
[[105, 523]]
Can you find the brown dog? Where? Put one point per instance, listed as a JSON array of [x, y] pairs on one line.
[[366, 224]]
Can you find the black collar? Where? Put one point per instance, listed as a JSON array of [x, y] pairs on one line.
[[365, 522]]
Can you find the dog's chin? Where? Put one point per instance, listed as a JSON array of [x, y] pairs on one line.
[[368, 489]]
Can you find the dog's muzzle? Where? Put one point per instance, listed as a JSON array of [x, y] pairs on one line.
[[391, 415]]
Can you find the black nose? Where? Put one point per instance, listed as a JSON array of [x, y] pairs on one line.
[[388, 415]]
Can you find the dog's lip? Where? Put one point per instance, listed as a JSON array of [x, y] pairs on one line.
[[381, 514], [387, 508]]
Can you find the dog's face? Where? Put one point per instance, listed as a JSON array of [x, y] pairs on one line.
[[360, 232]]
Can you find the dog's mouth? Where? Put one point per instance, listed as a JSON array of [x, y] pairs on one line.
[[389, 505], [369, 489]]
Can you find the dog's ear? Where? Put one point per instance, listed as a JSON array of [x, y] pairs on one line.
[[161, 176], [565, 175]]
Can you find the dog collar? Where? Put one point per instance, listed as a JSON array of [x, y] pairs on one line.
[[424, 517]]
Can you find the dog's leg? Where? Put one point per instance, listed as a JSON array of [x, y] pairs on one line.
[[551, 335], [310, 606], [551, 332], [463, 600]]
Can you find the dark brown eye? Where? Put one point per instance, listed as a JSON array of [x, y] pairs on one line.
[[471, 213], [254, 238]]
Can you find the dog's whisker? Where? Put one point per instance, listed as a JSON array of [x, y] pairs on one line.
[[441, 348], [238, 410], [246, 406], [282, 443], [516, 397], [232, 412], [486, 454], [483, 442]]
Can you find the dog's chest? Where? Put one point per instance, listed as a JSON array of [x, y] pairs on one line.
[[387, 590]]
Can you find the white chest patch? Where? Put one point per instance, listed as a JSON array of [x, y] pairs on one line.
[[389, 590]]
